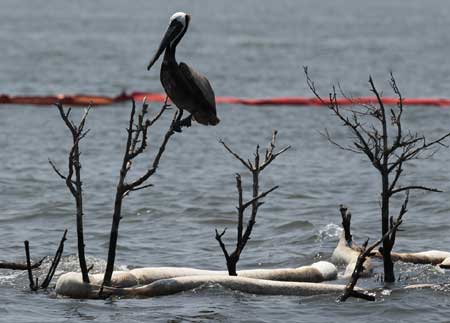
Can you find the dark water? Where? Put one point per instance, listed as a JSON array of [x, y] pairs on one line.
[[247, 48]]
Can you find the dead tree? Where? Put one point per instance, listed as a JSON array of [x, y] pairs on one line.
[[55, 262], [75, 186], [137, 137], [255, 168], [378, 134], [34, 284], [346, 224], [366, 252]]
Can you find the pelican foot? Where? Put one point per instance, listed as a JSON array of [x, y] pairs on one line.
[[176, 127], [186, 122]]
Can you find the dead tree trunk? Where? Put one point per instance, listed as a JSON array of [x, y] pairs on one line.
[[346, 224], [255, 168], [135, 145], [379, 135], [55, 262], [365, 253], [34, 284], [75, 186]]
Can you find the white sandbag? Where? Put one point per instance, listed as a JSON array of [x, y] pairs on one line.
[[317, 272], [348, 255], [433, 257], [242, 284], [70, 284]]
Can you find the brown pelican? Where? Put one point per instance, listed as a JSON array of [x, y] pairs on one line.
[[188, 89]]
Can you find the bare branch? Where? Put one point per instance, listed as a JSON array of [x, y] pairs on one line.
[[394, 224], [56, 170], [260, 196], [160, 113], [20, 265], [241, 210], [141, 187], [55, 262], [338, 145], [246, 164], [414, 187], [155, 164], [222, 245]]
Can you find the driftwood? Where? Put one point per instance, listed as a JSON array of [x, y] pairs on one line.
[[378, 134], [75, 186], [255, 169], [20, 265]]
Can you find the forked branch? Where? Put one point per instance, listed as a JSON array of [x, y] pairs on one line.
[[75, 185], [136, 144], [255, 168]]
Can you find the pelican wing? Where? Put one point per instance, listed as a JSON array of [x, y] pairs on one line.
[[199, 84]]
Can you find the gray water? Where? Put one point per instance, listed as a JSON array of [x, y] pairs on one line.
[[249, 49]]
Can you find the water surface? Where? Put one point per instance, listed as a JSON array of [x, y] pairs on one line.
[[249, 49]]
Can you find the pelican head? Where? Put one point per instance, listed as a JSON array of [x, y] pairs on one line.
[[178, 24]]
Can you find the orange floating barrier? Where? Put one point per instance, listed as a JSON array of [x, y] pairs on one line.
[[96, 100]]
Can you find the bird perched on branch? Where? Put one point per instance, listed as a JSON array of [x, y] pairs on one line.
[[188, 89]]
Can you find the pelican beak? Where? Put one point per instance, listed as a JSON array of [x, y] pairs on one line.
[[170, 34]]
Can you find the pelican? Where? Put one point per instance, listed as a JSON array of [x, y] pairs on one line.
[[188, 89]]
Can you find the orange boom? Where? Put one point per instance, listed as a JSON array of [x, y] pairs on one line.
[[97, 100]]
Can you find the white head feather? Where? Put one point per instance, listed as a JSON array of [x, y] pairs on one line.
[[180, 17]]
